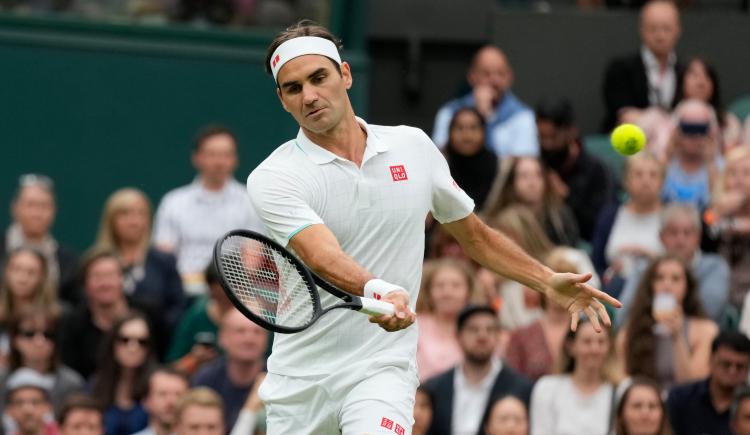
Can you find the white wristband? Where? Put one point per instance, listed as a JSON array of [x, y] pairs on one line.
[[377, 288]]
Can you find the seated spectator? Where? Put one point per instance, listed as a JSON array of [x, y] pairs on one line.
[[701, 82], [462, 395], [447, 286], [422, 412], [165, 388], [200, 411], [534, 349], [194, 340], [28, 405], [121, 380], [81, 415], [693, 155], [149, 275], [649, 77], [666, 336], [33, 211], [507, 416], [32, 340], [582, 180], [640, 410], [233, 375], [580, 399], [739, 412], [680, 235], [525, 181], [703, 406], [24, 284], [105, 302], [251, 417], [629, 232], [730, 222], [510, 123], [472, 165], [190, 218]]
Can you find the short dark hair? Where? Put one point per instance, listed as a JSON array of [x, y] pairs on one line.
[[471, 310], [165, 370], [211, 274], [301, 28], [92, 256], [78, 401], [559, 111], [733, 340], [208, 131]]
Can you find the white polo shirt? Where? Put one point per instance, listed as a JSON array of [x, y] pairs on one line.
[[377, 213]]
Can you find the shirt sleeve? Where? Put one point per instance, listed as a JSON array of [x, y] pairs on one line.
[[523, 135], [166, 232], [440, 130], [281, 203], [449, 202]]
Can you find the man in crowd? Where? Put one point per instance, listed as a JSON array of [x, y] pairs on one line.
[[81, 415], [165, 388], [28, 403], [200, 412]]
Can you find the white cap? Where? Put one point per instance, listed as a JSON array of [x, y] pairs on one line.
[[301, 46]]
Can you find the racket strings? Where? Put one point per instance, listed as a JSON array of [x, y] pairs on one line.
[[266, 282]]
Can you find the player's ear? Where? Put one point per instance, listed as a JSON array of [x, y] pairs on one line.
[[346, 73], [281, 99]]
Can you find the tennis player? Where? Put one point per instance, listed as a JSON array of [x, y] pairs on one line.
[[351, 199]]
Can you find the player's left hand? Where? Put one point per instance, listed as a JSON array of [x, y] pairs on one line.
[[571, 291], [402, 318]]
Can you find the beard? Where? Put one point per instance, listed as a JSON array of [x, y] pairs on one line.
[[478, 357]]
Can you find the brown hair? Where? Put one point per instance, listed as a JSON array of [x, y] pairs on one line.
[[301, 28], [641, 381], [199, 396], [640, 342], [566, 362], [79, 401], [431, 269], [45, 294], [519, 223], [50, 318]]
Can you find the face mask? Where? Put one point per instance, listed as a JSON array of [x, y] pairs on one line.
[[555, 158]]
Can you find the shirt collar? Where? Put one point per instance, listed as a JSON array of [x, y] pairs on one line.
[[650, 60], [320, 156], [488, 380]]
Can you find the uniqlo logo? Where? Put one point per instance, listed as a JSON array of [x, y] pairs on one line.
[[275, 61], [387, 423], [398, 429], [398, 172]]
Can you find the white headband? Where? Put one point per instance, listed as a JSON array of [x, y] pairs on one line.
[[301, 46]]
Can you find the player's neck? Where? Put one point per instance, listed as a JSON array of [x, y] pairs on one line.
[[347, 140]]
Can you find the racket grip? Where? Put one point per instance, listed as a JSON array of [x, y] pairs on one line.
[[374, 307]]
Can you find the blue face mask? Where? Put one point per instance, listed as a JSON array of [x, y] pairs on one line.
[[694, 128]]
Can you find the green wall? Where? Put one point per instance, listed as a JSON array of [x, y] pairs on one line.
[[102, 106]]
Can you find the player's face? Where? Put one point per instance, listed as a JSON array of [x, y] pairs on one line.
[[200, 420], [164, 392], [590, 348], [314, 93], [242, 339], [467, 135], [738, 176], [642, 413], [449, 291], [681, 237], [643, 181], [27, 407], [216, 158], [478, 337], [131, 344], [508, 417], [131, 223], [83, 422], [660, 27], [529, 181], [24, 274], [104, 281], [741, 422], [670, 278], [729, 368], [34, 210], [698, 84]]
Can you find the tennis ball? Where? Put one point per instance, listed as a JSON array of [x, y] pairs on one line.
[[628, 139]]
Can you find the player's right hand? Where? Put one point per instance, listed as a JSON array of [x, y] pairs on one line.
[[402, 317]]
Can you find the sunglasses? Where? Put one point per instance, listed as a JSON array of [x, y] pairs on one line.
[[31, 333], [125, 340], [694, 128]]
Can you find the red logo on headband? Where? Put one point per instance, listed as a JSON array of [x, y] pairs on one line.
[[275, 61]]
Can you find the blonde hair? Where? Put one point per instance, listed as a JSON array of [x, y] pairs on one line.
[[431, 269], [643, 157], [45, 294], [116, 204], [199, 396], [519, 223], [733, 157]]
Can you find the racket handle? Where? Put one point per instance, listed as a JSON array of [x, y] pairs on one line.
[[374, 307]]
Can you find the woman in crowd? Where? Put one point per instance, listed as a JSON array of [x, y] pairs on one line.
[[149, 275], [666, 336], [472, 164], [447, 286], [121, 379], [32, 339], [524, 181], [628, 233], [579, 400], [507, 416], [641, 411]]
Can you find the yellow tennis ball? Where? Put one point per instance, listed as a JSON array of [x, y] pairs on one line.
[[628, 139]]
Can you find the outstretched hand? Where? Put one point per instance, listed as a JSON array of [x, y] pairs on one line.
[[571, 291]]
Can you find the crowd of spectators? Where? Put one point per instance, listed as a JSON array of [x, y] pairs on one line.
[[136, 335]]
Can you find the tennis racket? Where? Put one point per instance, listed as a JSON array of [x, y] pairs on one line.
[[273, 288]]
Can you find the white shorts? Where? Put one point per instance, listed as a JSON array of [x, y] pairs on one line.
[[379, 402]]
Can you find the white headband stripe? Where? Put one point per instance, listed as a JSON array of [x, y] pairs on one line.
[[301, 46]]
